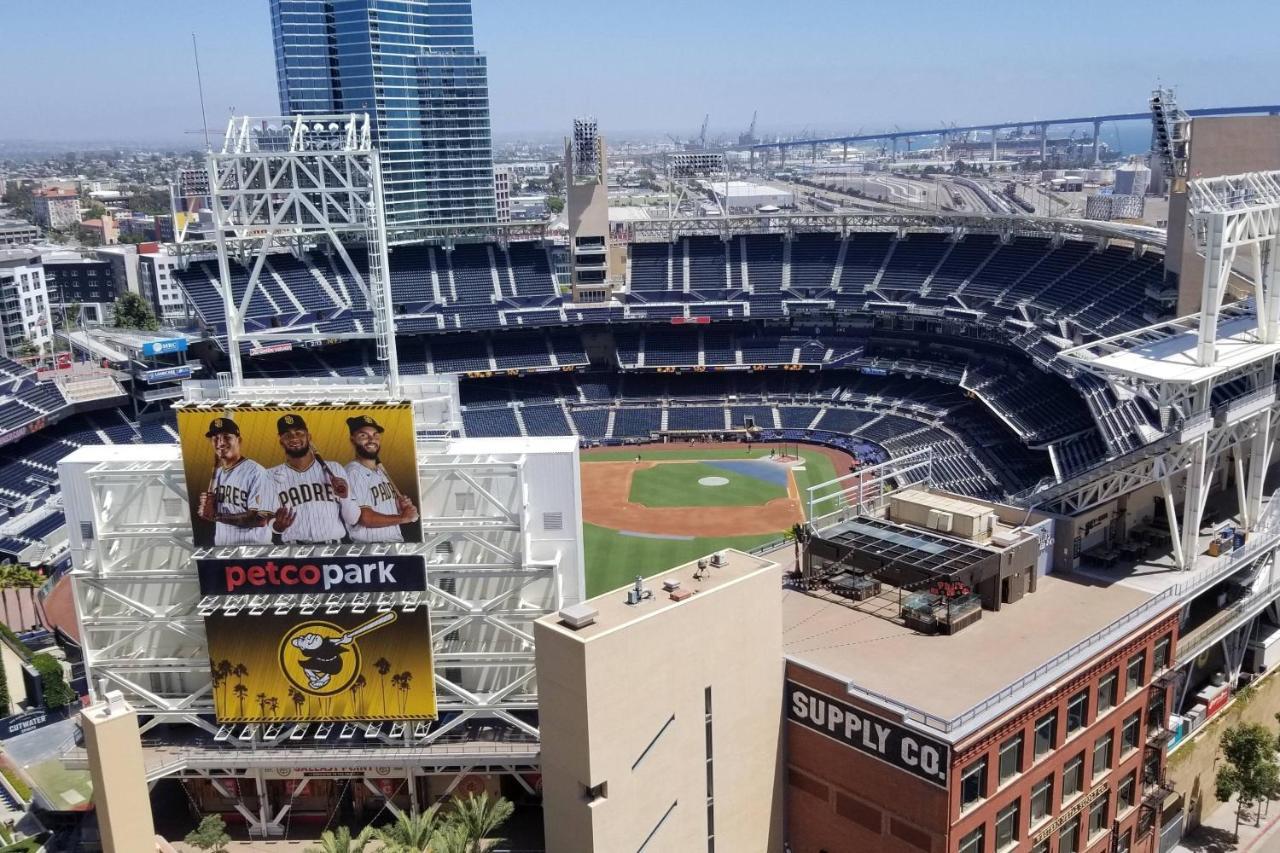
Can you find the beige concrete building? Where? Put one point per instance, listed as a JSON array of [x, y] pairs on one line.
[[661, 719], [120, 794]]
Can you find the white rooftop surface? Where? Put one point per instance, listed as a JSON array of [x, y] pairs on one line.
[[943, 675], [1173, 359], [96, 345], [628, 213]]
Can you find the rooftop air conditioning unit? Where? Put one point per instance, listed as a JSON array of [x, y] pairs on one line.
[[578, 615], [939, 520]]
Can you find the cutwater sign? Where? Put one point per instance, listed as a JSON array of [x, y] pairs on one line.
[[888, 741], [30, 721], [164, 347]]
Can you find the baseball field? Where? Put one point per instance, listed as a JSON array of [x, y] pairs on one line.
[[650, 507]]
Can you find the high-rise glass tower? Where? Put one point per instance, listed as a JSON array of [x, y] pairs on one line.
[[412, 65]]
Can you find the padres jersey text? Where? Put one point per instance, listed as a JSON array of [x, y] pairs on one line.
[[320, 515], [371, 488], [243, 487]]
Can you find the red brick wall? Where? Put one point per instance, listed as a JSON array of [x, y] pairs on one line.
[[839, 799]]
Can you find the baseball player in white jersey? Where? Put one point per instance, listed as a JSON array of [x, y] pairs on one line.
[[314, 498], [239, 493], [382, 507]]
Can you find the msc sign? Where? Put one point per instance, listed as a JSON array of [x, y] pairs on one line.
[[290, 576], [888, 741], [164, 347]]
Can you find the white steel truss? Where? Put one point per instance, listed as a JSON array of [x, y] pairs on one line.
[[1179, 364], [291, 181]]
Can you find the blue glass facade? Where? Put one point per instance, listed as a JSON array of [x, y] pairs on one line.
[[412, 65]]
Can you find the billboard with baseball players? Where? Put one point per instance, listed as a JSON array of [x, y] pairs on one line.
[[267, 475], [321, 667]]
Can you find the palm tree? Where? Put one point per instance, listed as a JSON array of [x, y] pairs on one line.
[[272, 705], [383, 666], [298, 700], [413, 832], [405, 677], [356, 688], [222, 672], [480, 816], [239, 671], [342, 842], [241, 692], [262, 704]]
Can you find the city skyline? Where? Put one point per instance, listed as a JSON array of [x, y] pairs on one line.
[[661, 72]]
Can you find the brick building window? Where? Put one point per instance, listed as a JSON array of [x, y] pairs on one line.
[[1125, 793], [1011, 758], [1077, 711], [1130, 732], [1069, 837], [973, 842], [973, 783], [1098, 817], [1041, 799], [1135, 672], [1007, 825], [1102, 754], [1160, 658], [1046, 733], [1107, 691], [1072, 777]]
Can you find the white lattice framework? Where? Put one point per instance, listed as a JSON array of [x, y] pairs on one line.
[[294, 182], [141, 612], [1180, 363]]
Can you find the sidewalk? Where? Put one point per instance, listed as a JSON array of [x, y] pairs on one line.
[[1214, 835]]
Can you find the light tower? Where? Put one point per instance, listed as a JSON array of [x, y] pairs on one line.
[[587, 208], [1226, 348]]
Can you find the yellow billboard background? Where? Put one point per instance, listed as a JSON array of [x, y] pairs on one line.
[[259, 673], [330, 435]]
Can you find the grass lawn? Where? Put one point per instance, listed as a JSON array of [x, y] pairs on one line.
[[676, 484], [818, 468], [614, 560], [56, 781]]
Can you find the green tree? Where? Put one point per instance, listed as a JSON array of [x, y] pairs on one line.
[[57, 693], [1249, 771], [132, 312], [413, 832], [211, 834], [342, 842], [555, 204], [93, 210], [480, 816]]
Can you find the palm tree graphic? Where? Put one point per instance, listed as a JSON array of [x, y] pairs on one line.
[[241, 692], [401, 683], [298, 700], [383, 666], [262, 704]]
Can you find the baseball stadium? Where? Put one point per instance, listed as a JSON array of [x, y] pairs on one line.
[[971, 463]]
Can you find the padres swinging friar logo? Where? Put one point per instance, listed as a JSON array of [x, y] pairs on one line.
[[321, 658]]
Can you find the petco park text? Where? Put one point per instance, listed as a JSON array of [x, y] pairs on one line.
[[285, 576]]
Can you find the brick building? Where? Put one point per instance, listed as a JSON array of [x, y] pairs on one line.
[[1029, 731]]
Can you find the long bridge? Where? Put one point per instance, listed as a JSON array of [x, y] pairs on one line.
[[1042, 125]]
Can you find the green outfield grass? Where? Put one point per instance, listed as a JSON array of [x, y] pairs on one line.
[[676, 484], [614, 560]]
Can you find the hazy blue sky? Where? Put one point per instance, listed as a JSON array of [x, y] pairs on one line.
[[121, 69]]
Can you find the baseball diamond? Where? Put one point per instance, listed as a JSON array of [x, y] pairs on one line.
[[644, 509]]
